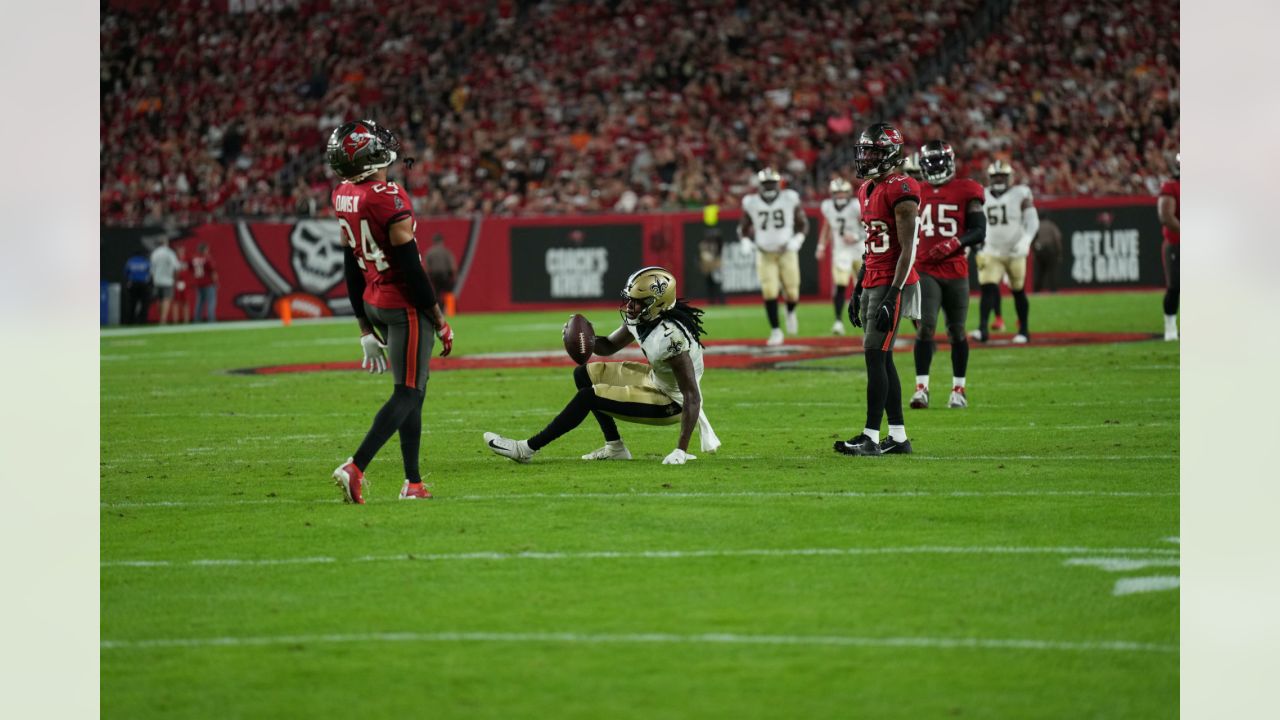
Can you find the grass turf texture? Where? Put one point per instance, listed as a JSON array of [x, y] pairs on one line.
[[398, 612]]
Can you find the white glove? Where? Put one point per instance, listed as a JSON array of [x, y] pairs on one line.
[[375, 357], [795, 242], [745, 244], [678, 457]]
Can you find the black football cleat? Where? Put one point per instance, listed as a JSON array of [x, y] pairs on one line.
[[860, 445], [889, 446]]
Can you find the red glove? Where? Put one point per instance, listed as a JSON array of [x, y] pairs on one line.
[[445, 333], [943, 249]]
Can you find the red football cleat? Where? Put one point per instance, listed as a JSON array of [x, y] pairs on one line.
[[998, 324], [351, 480], [414, 491]]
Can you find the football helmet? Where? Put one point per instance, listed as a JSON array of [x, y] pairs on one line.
[[1177, 165], [878, 151], [769, 180], [999, 176], [911, 166], [649, 292], [840, 186], [359, 148], [937, 162]]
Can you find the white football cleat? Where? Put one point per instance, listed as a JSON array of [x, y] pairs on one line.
[[920, 399], [517, 450], [975, 334], [837, 328], [1170, 328], [775, 338], [793, 324], [609, 452], [958, 399], [1020, 339]]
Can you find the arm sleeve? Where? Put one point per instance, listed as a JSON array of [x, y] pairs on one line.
[[1031, 221], [408, 262], [975, 233], [355, 281]]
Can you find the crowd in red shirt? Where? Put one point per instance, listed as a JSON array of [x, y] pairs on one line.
[[524, 108]]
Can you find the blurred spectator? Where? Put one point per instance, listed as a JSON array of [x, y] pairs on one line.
[[710, 250], [442, 270], [137, 289], [204, 274], [1046, 250], [183, 289], [164, 274]]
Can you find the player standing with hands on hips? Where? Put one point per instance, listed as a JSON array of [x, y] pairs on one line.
[[888, 287], [389, 291], [1012, 222], [774, 220]]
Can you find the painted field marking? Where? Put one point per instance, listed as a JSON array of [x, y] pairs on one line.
[[799, 493], [645, 555], [1122, 564], [928, 643], [1131, 586]]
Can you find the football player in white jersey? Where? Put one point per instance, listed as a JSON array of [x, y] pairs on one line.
[[665, 391], [912, 167], [1012, 223], [774, 219], [842, 229]]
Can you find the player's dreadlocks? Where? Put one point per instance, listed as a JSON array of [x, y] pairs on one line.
[[688, 316]]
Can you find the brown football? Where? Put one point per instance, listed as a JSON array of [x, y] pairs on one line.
[[579, 339]]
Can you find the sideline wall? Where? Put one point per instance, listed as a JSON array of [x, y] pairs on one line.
[[572, 262]]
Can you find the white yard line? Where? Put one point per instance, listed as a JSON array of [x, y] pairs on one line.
[[1123, 564], [578, 638], [1132, 586], [777, 494], [646, 555]]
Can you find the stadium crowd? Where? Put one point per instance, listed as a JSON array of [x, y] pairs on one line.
[[529, 108]]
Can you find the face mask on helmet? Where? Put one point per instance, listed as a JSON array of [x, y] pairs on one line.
[[769, 181], [937, 163], [359, 149], [999, 183], [879, 151], [648, 293]]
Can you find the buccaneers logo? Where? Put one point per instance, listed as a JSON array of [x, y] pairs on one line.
[[355, 141], [894, 136]]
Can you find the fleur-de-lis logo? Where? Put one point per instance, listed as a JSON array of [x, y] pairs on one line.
[[658, 286]]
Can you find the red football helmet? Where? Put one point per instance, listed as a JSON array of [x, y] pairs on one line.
[[878, 151], [937, 162]]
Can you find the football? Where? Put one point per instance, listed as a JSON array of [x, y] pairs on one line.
[[579, 339]]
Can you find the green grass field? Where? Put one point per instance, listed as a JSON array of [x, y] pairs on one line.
[[984, 576]]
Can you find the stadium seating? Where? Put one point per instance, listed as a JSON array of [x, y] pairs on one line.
[[537, 108]]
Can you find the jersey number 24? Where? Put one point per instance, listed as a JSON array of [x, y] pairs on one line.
[[367, 249]]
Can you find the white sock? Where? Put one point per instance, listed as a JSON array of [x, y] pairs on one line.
[[1170, 320], [873, 434], [523, 447], [957, 382], [898, 432], [923, 380], [615, 444]]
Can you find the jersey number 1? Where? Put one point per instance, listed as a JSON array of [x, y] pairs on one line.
[[368, 249]]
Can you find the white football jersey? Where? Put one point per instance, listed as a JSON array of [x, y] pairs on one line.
[[846, 224], [774, 221], [664, 341], [1005, 233]]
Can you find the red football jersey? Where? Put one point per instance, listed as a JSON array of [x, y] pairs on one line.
[[942, 216], [203, 269], [877, 200], [1172, 188], [365, 212]]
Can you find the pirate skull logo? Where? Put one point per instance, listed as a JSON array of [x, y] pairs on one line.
[[316, 255]]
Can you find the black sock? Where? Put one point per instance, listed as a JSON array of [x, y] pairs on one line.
[[411, 441], [791, 306], [1023, 308], [1171, 301], [986, 304], [960, 355], [924, 355], [996, 305], [893, 392], [569, 418], [877, 387], [771, 311], [607, 424], [838, 301], [390, 417]]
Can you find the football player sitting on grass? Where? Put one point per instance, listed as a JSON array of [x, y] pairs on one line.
[[663, 392]]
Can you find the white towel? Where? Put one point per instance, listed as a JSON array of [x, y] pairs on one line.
[[707, 436]]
